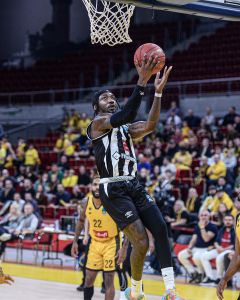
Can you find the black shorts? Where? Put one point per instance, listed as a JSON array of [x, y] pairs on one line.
[[124, 200]]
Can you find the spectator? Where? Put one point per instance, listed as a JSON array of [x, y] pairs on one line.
[[230, 160], [27, 188], [26, 227], [183, 158], [174, 109], [219, 217], [70, 179], [224, 245], [29, 199], [158, 157], [174, 120], [192, 120], [18, 201], [230, 116], [32, 157], [63, 165], [143, 163], [172, 148], [193, 146], [62, 196], [221, 197], [209, 118], [41, 197], [9, 223], [168, 166], [208, 202], [83, 177], [204, 237], [217, 170], [227, 188], [144, 177], [185, 129], [69, 148], [205, 149], [181, 217], [82, 125], [56, 170], [231, 132], [3, 155], [28, 223], [77, 196], [237, 180], [59, 144], [202, 170], [193, 202], [237, 124], [8, 192], [20, 151]]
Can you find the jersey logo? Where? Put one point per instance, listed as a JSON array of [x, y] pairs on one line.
[[104, 212], [128, 214], [116, 155], [101, 234], [125, 147]]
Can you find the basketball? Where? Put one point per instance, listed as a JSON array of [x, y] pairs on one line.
[[149, 48]]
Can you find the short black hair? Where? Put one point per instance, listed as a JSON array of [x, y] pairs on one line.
[[95, 100]]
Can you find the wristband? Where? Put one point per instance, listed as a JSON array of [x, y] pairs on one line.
[[158, 95]]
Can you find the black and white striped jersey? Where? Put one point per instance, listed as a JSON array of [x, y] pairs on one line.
[[114, 153]]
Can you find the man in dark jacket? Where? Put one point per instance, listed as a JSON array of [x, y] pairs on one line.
[[224, 244]]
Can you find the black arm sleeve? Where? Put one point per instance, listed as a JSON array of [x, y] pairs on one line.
[[129, 112]]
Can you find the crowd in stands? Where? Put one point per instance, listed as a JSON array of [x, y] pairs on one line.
[[189, 165]]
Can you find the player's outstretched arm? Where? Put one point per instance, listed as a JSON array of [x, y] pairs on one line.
[[129, 111], [140, 129], [232, 270], [5, 279], [79, 228]]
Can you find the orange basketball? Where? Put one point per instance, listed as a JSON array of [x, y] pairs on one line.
[[149, 48]]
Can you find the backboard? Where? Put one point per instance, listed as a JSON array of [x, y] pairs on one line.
[[228, 10]]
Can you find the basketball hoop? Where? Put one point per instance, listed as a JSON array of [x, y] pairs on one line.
[[109, 21]]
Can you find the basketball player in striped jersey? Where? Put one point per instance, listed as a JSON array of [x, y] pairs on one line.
[[112, 132], [234, 266], [5, 279], [104, 252]]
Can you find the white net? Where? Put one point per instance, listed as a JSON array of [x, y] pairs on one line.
[[109, 21]]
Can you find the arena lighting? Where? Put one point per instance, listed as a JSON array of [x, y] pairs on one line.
[[235, 2]]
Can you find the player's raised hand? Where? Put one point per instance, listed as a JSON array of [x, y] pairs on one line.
[[160, 83], [220, 288], [5, 279], [145, 70]]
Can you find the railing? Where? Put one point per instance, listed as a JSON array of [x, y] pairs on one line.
[[67, 96]]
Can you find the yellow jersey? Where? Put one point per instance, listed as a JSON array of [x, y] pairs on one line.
[[31, 157], [101, 225], [238, 227]]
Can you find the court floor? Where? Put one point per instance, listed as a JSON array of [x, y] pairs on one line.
[[57, 284]]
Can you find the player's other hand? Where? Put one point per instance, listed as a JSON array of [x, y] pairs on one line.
[[220, 288], [74, 250], [160, 83], [121, 255]]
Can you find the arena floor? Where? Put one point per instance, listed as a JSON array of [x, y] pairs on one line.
[[57, 284]]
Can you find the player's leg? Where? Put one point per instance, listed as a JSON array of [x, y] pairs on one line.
[[109, 285], [89, 284], [94, 263], [154, 222], [137, 236]]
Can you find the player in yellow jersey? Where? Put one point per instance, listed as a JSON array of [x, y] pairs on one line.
[[5, 278], [104, 252], [234, 266]]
